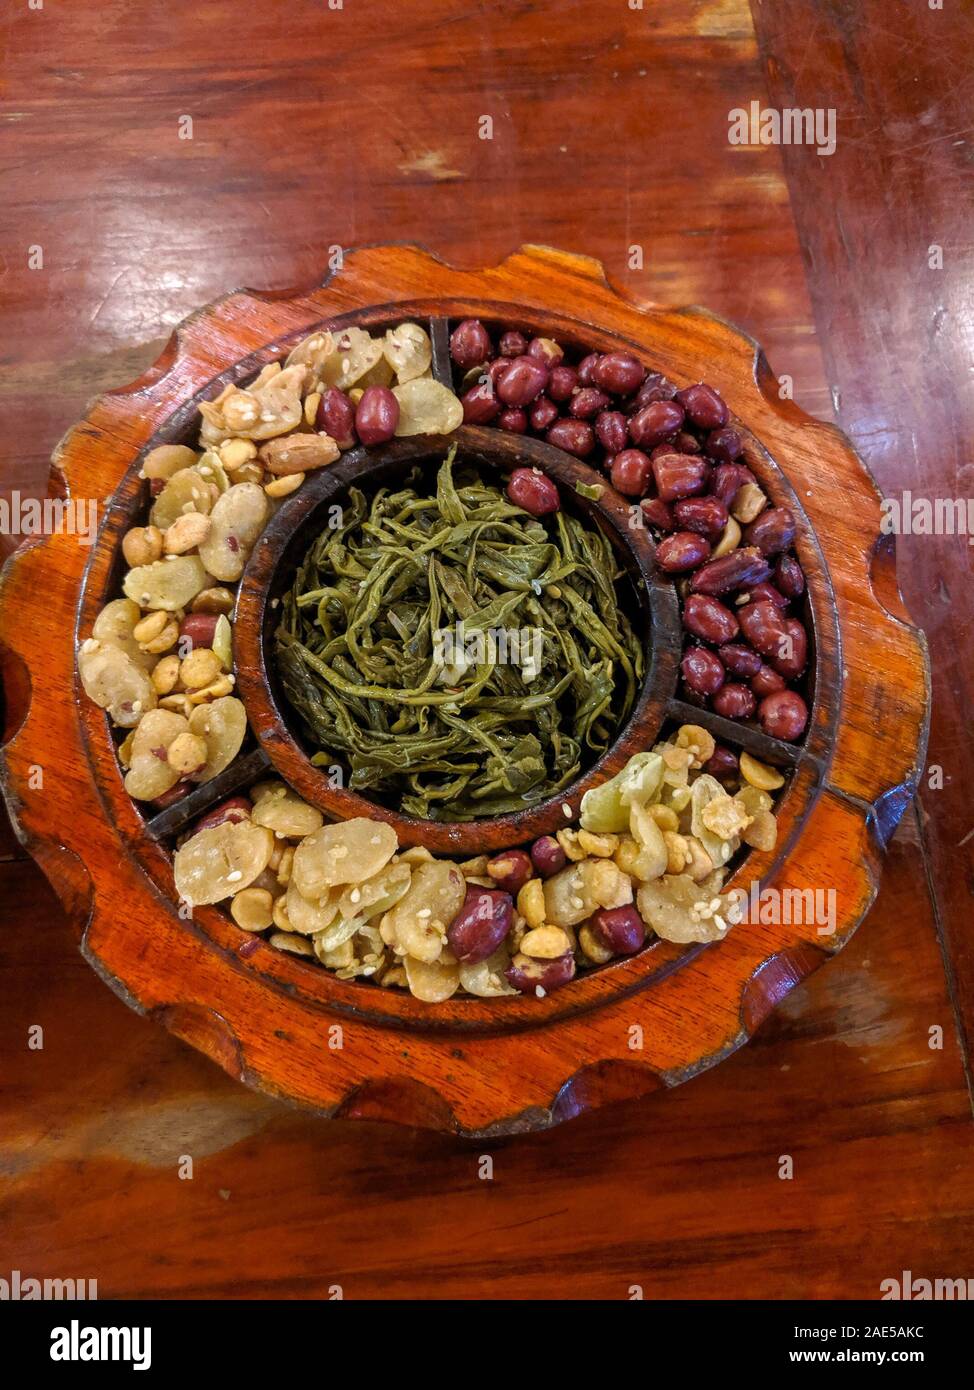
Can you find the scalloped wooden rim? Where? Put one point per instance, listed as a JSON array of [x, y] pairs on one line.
[[759, 965]]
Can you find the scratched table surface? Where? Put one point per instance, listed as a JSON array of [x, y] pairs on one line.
[[314, 125]]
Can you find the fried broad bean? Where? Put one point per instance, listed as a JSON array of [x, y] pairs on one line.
[[431, 981], [214, 864], [186, 493], [167, 584], [419, 922], [426, 407], [698, 742], [238, 519], [222, 723], [187, 754], [312, 351], [354, 354], [287, 815], [408, 351], [485, 978], [214, 600], [376, 895], [574, 894], [291, 943], [311, 916], [151, 773], [114, 681], [348, 852], [605, 808], [186, 533], [680, 910], [116, 624], [200, 668]]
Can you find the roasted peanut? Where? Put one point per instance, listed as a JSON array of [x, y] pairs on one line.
[[531, 902], [545, 943], [186, 533], [200, 668], [187, 754], [142, 545], [252, 909], [285, 485], [760, 775]]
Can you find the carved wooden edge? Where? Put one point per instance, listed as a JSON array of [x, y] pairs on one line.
[[41, 578]]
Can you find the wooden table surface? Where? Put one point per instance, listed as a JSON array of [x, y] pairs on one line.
[[315, 126]]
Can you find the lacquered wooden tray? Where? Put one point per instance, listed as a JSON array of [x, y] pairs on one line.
[[471, 1065]]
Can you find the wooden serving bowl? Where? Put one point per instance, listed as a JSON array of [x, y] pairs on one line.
[[282, 547], [473, 1066]]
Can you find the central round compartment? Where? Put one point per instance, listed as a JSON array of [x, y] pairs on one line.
[[276, 680]]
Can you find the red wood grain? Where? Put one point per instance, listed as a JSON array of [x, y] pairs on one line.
[[897, 332]]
